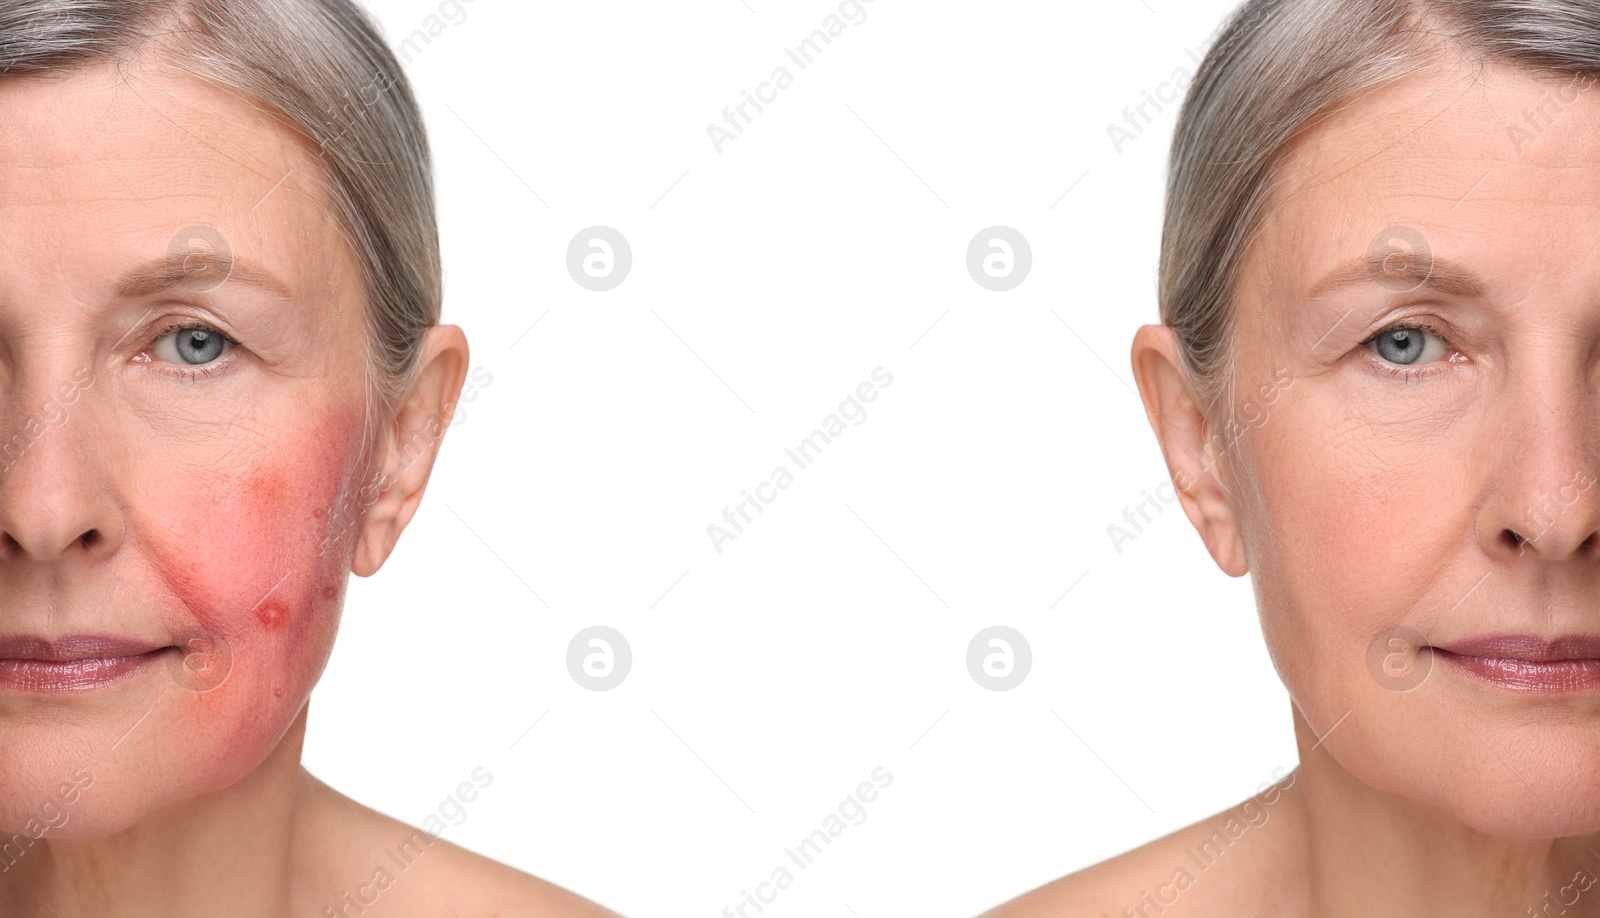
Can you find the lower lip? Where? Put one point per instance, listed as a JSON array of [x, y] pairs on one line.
[[1528, 675], [74, 675]]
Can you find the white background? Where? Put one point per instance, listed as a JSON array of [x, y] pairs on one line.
[[830, 638]]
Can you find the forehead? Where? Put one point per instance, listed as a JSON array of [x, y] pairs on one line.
[[102, 166], [1491, 166]]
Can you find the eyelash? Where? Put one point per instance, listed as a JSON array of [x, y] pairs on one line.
[[1406, 372], [192, 373]]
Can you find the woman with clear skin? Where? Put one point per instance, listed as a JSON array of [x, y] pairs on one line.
[[223, 386], [1377, 388]]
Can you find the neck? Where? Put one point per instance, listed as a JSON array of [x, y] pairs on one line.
[[1373, 853], [204, 855]]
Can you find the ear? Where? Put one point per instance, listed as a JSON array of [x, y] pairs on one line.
[[411, 443], [1172, 407]]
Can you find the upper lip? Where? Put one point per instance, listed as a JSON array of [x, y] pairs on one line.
[[68, 648], [1526, 647]]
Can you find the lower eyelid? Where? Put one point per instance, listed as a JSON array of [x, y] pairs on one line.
[[222, 364], [1407, 371]]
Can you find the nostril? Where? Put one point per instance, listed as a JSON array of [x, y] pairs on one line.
[[1515, 539], [9, 542]]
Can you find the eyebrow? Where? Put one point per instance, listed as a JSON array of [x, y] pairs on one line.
[[1440, 274], [177, 270]]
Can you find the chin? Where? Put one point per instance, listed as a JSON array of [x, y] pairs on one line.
[[96, 800], [1557, 803], [1518, 819], [1523, 789], [68, 782], [48, 776]]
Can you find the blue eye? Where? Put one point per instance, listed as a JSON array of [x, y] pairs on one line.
[[1409, 344], [192, 344]]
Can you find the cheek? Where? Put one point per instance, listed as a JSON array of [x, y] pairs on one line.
[[1346, 519], [256, 564], [1351, 532], [249, 571]]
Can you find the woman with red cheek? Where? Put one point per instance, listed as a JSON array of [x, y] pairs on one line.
[[223, 385], [1377, 388]]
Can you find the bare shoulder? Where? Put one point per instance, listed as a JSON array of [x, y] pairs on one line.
[[1215, 866], [368, 863], [489, 888], [1104, 889]]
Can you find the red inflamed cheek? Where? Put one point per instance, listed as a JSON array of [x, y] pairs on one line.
[[248, 572], [256, 572], [230, 560]]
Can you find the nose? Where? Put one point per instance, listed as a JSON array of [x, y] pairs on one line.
[[1547, 472], [53, 491]]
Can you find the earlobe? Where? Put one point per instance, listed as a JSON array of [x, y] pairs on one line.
[[1173, 409], [412, 444]]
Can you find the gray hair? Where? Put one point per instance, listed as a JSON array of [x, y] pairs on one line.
[[323, 68], [1276, 68]]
